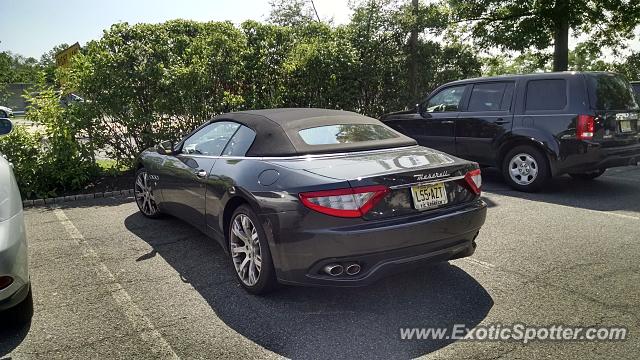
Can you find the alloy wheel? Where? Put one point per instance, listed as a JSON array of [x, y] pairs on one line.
[[523, 169], [144, 195], [245, 249]]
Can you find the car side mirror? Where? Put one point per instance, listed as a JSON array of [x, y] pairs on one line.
[[165, 148], [422, 111], [5, 126]]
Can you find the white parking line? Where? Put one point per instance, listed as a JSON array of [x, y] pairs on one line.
[[479, 263], [140, 322], [625, 216], [600, 212]]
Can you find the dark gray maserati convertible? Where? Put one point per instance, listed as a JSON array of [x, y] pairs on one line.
[[313, 196]]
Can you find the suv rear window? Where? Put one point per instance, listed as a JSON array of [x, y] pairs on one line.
[[549, 94], [610, 92], [345, 134]]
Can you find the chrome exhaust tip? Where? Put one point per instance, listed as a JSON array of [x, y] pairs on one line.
[[353, 269], [334, 269]]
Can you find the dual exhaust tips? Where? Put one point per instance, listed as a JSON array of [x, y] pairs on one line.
[[338, 269]]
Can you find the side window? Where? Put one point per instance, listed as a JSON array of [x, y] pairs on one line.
[[548, 94], [240, 142], [211, 139], [491, 96], [636, 91], [446, 100]]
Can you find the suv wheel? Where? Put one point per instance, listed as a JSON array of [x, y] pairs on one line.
[[587, 176], [525, 168]]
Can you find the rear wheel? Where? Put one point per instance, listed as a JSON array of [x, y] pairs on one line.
[[525, 168], [143, 192], [587, 176], [250, 253]]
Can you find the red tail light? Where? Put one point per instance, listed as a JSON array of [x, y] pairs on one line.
[[351, 202], [585, 127], [474, 180]]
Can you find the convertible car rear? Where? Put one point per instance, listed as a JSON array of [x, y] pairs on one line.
[[314, 197]]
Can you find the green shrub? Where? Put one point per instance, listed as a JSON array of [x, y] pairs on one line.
[[52, 162], [22, 149]]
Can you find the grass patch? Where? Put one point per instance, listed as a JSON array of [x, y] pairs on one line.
[[110, 167]]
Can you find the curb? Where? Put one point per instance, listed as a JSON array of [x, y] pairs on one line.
[[64, 199]]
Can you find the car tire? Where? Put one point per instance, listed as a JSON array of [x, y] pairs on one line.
[[525, 168], [587, 176], [144, 195], [3, 114], [21, 313], [266, 279]]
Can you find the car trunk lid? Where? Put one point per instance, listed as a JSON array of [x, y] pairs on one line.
[[438, 175]]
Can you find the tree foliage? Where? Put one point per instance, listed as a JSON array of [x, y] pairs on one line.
[[539, 24], [148, 82], [630, 67], [291, 12], [16, 69]]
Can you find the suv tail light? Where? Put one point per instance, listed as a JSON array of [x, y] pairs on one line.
[[474, 180], [585, 127], [350, 202]]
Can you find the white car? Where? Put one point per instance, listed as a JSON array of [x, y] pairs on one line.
[[15, 287], [5, 112]]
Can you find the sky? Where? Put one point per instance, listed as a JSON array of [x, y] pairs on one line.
[[33, 27]]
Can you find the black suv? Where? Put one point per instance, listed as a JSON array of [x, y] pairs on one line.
[[531, 126]]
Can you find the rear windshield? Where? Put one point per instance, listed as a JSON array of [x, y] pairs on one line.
[[610, 92], [345, 134]]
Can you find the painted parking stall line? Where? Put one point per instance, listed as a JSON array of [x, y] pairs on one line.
[[480, 263], [136, 317]]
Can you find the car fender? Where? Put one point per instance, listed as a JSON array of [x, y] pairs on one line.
[[522, 136], [232, 196]]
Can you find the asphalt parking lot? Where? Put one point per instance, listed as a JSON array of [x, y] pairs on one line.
[[109, 283]]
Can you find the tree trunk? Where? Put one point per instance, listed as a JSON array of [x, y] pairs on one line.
[[561, 37], [413, 55]]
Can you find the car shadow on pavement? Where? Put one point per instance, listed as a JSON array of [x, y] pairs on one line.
[[304, 322], [11, 335], [617, 189]]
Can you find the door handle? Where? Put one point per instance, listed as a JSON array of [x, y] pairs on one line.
[[201, 174], [447, 121], [501, 121]]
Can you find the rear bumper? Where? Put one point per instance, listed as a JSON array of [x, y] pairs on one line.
[[592, 156], [380, 247], [13, 259]]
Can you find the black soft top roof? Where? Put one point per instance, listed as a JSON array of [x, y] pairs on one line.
[[277, 131]]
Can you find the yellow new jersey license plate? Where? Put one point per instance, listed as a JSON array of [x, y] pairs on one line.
[[429, 196]]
